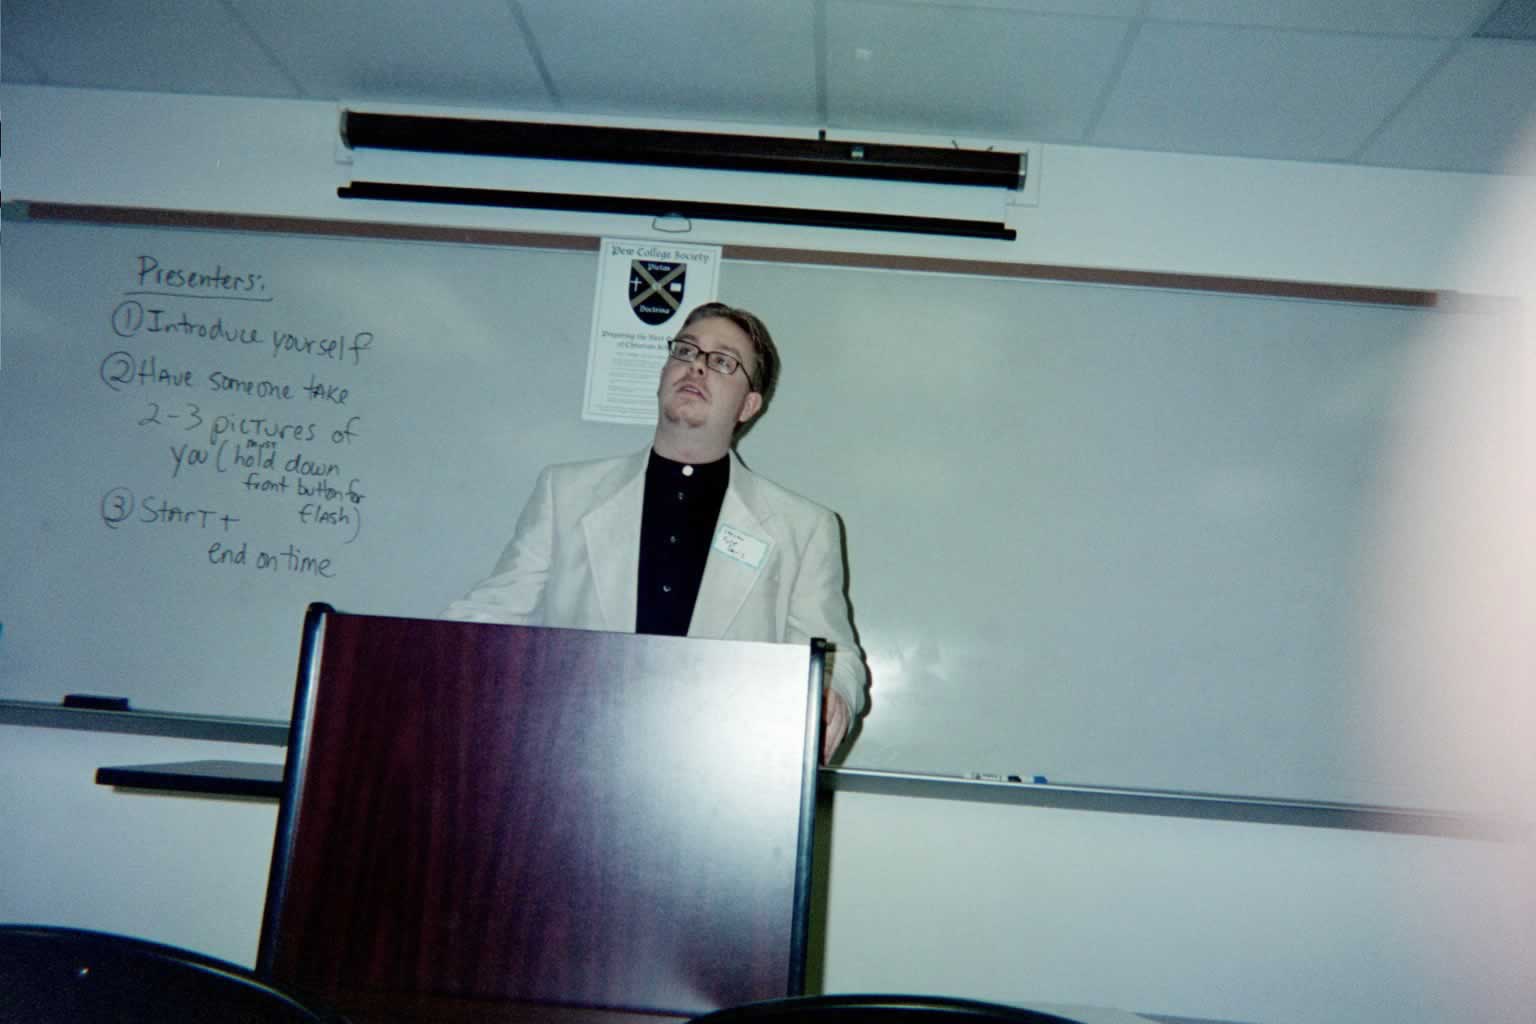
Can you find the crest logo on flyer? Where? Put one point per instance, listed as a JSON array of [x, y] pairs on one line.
[[656, 289]]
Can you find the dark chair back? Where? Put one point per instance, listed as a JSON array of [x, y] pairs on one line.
[[70, 976], [878, 1009]]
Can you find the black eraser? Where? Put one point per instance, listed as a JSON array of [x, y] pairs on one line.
[[95, 702]]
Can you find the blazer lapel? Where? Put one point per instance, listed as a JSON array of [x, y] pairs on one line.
[[612, 533], [729, 579]]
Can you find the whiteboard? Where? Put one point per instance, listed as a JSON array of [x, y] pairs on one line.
[[1110, 535]]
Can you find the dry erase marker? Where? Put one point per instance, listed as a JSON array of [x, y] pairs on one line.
[[95, 702]]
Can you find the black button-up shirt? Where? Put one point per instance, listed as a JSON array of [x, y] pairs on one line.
[[677, 527]]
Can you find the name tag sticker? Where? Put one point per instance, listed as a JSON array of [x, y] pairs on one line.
[[742, 546]]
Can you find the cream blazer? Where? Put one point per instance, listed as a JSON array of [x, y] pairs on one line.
[[774, 572]]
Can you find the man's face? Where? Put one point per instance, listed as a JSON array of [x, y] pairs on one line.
[[694, 396]]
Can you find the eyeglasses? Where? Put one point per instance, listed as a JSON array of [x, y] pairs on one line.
[[721, 362]]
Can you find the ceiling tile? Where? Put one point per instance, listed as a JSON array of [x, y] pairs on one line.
[[1512, 19], [1468, 115], [468, 51], [1288, 79], [16, 67], [967, 71], [1385, 17], [141, 45], [681, 58], [1102, 8], [1260, 92]]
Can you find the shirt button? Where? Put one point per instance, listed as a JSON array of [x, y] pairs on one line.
[[666, 588], [680, 495], [672, 539]]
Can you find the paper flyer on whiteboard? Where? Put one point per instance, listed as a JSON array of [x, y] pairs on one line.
[[644, 290]]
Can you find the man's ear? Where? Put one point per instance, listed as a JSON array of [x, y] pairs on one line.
[[751, 407]]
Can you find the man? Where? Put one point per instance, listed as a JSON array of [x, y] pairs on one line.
[[683, 539]]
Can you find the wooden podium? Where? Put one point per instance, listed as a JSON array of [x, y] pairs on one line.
[[545, 816]]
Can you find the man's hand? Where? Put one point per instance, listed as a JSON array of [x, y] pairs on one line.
[[834, 723]]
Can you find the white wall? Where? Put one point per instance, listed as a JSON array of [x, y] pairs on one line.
[[186, 870], [1201, 919], [1205, 919], [1097, 208], [1164, 915]]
